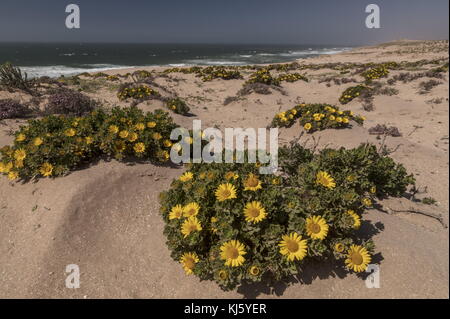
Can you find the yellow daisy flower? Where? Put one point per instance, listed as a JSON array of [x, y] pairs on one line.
[[358, 258], [324, 179], [252, 183], [339, 247], [188, 260], [124, 134], [232, 252], [21, 137], [356, 219], [187, 176], [133, 137], [190, 225], [113, 129], [37, 141], [293, 247], [316, 227], [20, 154], [254, 270], [140, 126], [13, 175], [176, 212], [156, 136], [139, 148], [367, 202], [223, 274], [191, 209], [231, 175], [70, 132], [307, 126], [151, 124], [225, 191], [254, 212], [46, 169]]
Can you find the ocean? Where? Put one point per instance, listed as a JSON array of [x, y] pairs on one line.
[[52, 59]]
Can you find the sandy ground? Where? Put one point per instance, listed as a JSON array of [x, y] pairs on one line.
[[105, 218]]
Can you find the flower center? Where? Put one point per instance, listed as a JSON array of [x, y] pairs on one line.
[[314, 228], [253, 212], [356, 259], [189, 263], [252, 182], [226, 193], [292, 246], [232, 253]]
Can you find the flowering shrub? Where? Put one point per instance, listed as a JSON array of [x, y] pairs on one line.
[[375, 73], [10, 109], [263, 76], [353, 92], [227, 223], [54, 145], [178, 106], [292, 77], [316, 117], [69, 102], [138, 92], [218, 72]]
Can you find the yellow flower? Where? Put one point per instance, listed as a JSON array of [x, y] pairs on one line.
[[232, 252], [339, 247], [356, 219], [373, 189], [190, 225], [133, 137], [38, 141], [225, 191], [367, 202], [316, 227], [254, 212], [307, 126], [332, 117], [70, 132], [252, 183], [13, 175], [254, 270], [339, 119], [113, 129], [167, 143], [46, 169], [21, 137], [231, 175], [345, 120], [187, 176], [191, 210], [324, 179], [20, 154], [6, 168], [124, 134], [293, 247], [176, 212], [358, 258], [139, 148], [120, 146], [151, 124], [188, 260], [351, 178], [140, 126], [18, 163], [156, 136], [223, 274], [88, 140]]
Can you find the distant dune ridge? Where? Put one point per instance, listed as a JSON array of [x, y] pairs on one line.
[[105, 218]]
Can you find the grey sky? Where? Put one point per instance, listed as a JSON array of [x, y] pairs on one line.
[[225, 21]]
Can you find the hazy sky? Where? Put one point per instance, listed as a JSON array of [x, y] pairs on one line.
[[223, 21]]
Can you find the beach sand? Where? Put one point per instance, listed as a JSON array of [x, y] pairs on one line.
[[105, 218]]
